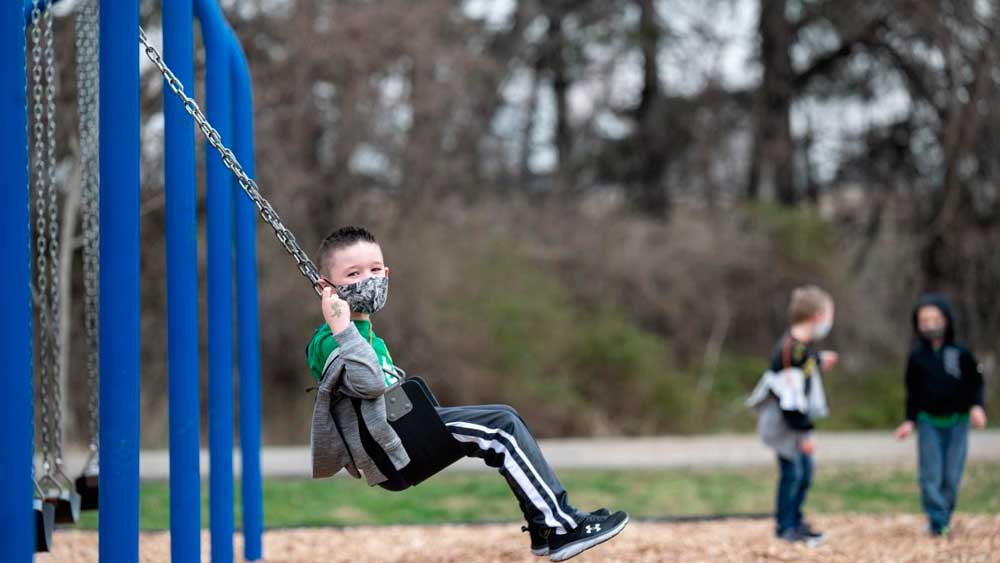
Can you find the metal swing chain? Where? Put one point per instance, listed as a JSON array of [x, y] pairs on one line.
[[306, 266], [53, 210], [87, 64], [41, 245]]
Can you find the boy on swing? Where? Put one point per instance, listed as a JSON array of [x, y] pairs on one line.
[[351, 362]]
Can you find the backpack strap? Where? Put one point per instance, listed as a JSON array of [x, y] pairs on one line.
[[786, 352], [786, 359]]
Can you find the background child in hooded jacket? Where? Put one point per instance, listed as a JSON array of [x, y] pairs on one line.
[[944, 393]]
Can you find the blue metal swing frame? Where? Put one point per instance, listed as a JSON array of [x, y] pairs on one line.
[[231, 231]]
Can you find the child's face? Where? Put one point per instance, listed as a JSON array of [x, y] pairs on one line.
[[355, 263], [823, 322], [826, 315], [930, 319]]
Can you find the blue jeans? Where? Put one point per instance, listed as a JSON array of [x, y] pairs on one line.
[[793, 485], [941, 458]]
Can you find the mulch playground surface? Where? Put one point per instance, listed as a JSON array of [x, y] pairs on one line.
[[850, 539]]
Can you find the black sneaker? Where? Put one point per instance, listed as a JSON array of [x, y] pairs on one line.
[[791, 535], [540, 535], [795, 535], [809, 533], [592, 530], [539, 538], [942, 532]]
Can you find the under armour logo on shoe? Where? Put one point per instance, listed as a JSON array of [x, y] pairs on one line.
[[591, 529]]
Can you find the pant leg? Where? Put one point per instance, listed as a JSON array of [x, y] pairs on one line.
[[785, 501], [930, 448], [954, 465], [805, 472], [498, 435]]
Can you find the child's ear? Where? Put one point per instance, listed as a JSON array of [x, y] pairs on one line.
[[386, 269]]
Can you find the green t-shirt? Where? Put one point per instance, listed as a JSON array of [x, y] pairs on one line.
[[943, 421], [323, 344]]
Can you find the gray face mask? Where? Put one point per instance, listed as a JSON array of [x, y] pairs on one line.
[[933, 333], [366, 296], [822, 330]]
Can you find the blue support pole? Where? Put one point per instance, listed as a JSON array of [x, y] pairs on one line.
[[219, 204], [17, 534], [119, 285], [248, 330], [182, 289]]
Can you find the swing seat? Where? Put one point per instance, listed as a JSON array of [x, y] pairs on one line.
[[45, 514], [86, 487], [431, 447], [67, 506]]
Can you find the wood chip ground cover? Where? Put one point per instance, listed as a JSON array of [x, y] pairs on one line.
[[851, 539]]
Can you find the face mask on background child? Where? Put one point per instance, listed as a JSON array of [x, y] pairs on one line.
[[933, 334], [822, 330], [366, 296]]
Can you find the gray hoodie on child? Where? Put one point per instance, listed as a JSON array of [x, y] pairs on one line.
[[786, 391], [352, 376]]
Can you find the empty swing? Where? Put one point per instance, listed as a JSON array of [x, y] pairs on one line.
[[410, 403], [44, 511], [45, 520], [87, 37], [55, 488]]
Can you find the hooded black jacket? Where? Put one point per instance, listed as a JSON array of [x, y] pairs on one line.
[[941, 382]]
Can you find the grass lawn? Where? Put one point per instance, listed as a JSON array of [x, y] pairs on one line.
[[483, 496]]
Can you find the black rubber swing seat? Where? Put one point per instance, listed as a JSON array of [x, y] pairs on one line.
[[66, 505], [411, 413], [86, 487], [45, 521]]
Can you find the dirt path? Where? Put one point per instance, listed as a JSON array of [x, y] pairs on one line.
[[851, 539]]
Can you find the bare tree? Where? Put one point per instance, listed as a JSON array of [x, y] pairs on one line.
[[779, 28]]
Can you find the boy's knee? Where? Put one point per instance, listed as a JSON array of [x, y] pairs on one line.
[[510, 417], [508, 409], [506, 414], [807, 474], [794, 475], [793, 480], [509, 420], [805, 480]]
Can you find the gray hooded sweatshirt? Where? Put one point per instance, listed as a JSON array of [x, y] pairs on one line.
[[785, 390], [352, 374]]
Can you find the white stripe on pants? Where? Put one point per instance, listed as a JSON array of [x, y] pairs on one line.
[[497, 434]]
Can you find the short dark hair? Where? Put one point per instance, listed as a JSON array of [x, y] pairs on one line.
[[341, 238]]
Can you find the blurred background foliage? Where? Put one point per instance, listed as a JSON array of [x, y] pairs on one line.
[[595, 210]]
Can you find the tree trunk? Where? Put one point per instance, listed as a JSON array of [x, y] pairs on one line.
[[528, 130], [555, 61], [651, 195], [958, 139], [422, 144], [649, 38], [772, 150]]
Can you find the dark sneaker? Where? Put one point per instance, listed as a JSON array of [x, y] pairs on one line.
[[539, 538], [791, 535], [795, 535], [809, 533], [943, 532], [593, 530], [540, 535]]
